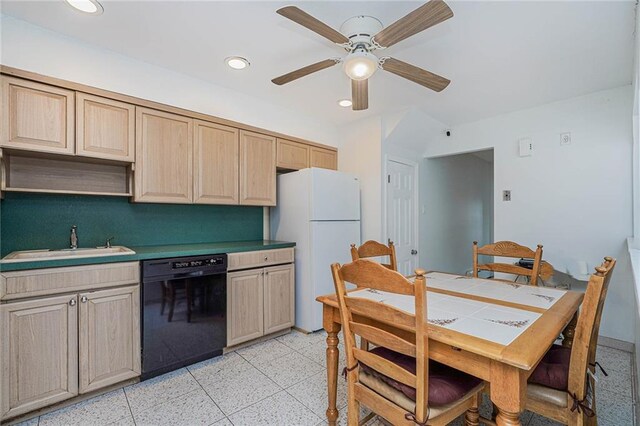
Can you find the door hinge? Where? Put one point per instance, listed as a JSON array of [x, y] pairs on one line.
[[388, 178]]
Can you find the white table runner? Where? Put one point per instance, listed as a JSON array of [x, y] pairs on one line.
[[496, 323], [522, 294]]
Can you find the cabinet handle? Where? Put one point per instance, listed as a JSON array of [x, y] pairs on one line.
[[84, 299], [72, 302], [266, 258]]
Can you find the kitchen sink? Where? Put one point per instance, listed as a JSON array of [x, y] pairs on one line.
[[45, 254]]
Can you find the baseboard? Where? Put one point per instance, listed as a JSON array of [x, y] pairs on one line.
[[620, 345]]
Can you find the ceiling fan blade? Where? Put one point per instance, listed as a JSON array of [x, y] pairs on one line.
[[301, 17], [309, 69], [359, 94], [426, 16], [415, 74]]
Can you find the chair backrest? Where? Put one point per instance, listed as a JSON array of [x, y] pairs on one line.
[[375, 249], [585, 340], [508, 249], [368, 316]]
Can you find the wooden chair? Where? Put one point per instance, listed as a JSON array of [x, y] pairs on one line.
[[393, 379], [558, 386], [508, 249], [375, 249]]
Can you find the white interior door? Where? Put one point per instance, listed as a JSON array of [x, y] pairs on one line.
[[401, 214]]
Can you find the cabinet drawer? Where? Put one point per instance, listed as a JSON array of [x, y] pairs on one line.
[[253, 259], [19, 284]]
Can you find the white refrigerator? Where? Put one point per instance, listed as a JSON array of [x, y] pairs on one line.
[[319, 210]]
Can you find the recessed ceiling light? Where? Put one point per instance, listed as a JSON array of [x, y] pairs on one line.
[[91, 7], [236, 62], [344, 103]]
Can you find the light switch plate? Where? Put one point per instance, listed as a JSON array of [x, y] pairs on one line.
[[506, 195], [526, 147]]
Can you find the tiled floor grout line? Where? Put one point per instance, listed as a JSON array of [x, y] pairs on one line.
[[265, 374], [206, 393], [251, 405], [160, 403], [129, 405]]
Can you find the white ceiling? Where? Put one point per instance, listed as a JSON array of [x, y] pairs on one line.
[[501, 56]]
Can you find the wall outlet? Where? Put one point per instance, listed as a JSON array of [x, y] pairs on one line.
[[506, 195], [565, 138]]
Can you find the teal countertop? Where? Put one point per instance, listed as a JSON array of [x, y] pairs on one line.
[[154, 252]]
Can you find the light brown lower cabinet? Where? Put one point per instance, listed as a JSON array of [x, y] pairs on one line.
[[279, 300], [109, 340], [57, 347], [259, 302], [39, 354], [244, 306]]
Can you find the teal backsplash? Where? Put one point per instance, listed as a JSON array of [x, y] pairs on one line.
[[32, 221]]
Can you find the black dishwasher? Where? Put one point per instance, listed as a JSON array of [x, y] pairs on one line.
[[184, 303]]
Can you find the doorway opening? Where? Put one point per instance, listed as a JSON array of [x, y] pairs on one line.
[[456, 208]]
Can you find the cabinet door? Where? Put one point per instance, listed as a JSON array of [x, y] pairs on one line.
[[164, 145], [244, 306], [292, 155], [325, 158], [257, 169], [104, 128], [109, 337], [36, 116], [215, 164], [38, 354], [279, 298]]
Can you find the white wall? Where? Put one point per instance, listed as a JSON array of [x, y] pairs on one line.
[[361, 154], [575, 199], [365, 146], [33, 48], [455, 210]]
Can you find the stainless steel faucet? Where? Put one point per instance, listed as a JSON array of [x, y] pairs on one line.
[[73, 238]]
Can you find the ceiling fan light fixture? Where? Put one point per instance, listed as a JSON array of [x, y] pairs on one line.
[[360, 65], [91, 7], [237, 62], [345, 103]]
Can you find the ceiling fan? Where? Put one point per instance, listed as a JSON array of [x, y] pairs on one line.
[[362, 35]]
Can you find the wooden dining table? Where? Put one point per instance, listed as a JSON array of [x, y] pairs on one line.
[[492, 329]]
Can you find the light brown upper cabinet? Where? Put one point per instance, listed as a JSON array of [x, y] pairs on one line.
[[257, 169], [325, 158], [104, 128], [37, 117], [215, 164], [164, 151], [292, 155]]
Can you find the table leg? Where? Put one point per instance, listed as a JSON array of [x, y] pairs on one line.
[[508, 419], [508, 392], [570, 331], [333, 353]]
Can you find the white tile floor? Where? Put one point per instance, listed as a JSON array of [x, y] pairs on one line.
[[279, 382]]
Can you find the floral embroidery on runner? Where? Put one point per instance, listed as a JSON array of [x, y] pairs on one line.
[[516, 324], [442, 322], [514, 285], [545, 297]]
